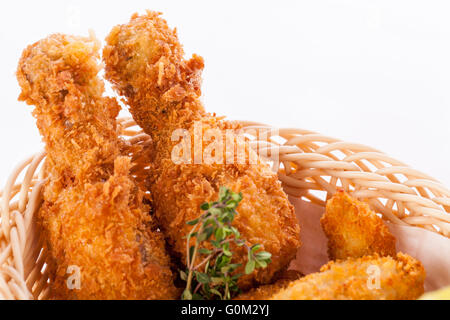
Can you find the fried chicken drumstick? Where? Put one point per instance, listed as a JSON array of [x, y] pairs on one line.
[[93, 216], [144, 61]]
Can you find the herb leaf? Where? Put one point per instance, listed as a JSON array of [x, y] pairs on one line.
[[210, 272]]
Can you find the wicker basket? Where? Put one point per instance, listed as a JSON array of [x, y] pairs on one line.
[[311, 166]]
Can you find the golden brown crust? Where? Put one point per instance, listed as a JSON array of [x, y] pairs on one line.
[[101, 228], [400, 278], [265, 292], [353, 230], [58, 74], [93, 216], [144, 61]]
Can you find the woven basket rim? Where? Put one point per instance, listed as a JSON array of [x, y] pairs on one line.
[[309, 165]]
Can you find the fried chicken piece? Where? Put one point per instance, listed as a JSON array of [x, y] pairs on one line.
[[144, 61], [366, 278], [93, 216], [353, 230]]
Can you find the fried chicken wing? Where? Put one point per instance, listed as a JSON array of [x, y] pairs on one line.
[[353, 230], [367, 278], [93, 216], [144, 61]]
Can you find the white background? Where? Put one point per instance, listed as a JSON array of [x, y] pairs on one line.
[[372, 72]]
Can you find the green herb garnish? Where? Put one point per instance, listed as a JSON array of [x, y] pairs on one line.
[[210, 272]]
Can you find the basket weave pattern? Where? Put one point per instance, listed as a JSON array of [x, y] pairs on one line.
[[311, 166]]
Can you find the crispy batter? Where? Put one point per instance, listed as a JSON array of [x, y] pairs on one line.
[[353, 230], [93, 216], [144, 60], [264, 292], [400, 278]]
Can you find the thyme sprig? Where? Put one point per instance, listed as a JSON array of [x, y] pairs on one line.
[[210, 272]]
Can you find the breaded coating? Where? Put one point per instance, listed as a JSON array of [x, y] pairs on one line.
[[93, 218], [368, 278], [264, 292], [353, 230], [144, 61]]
